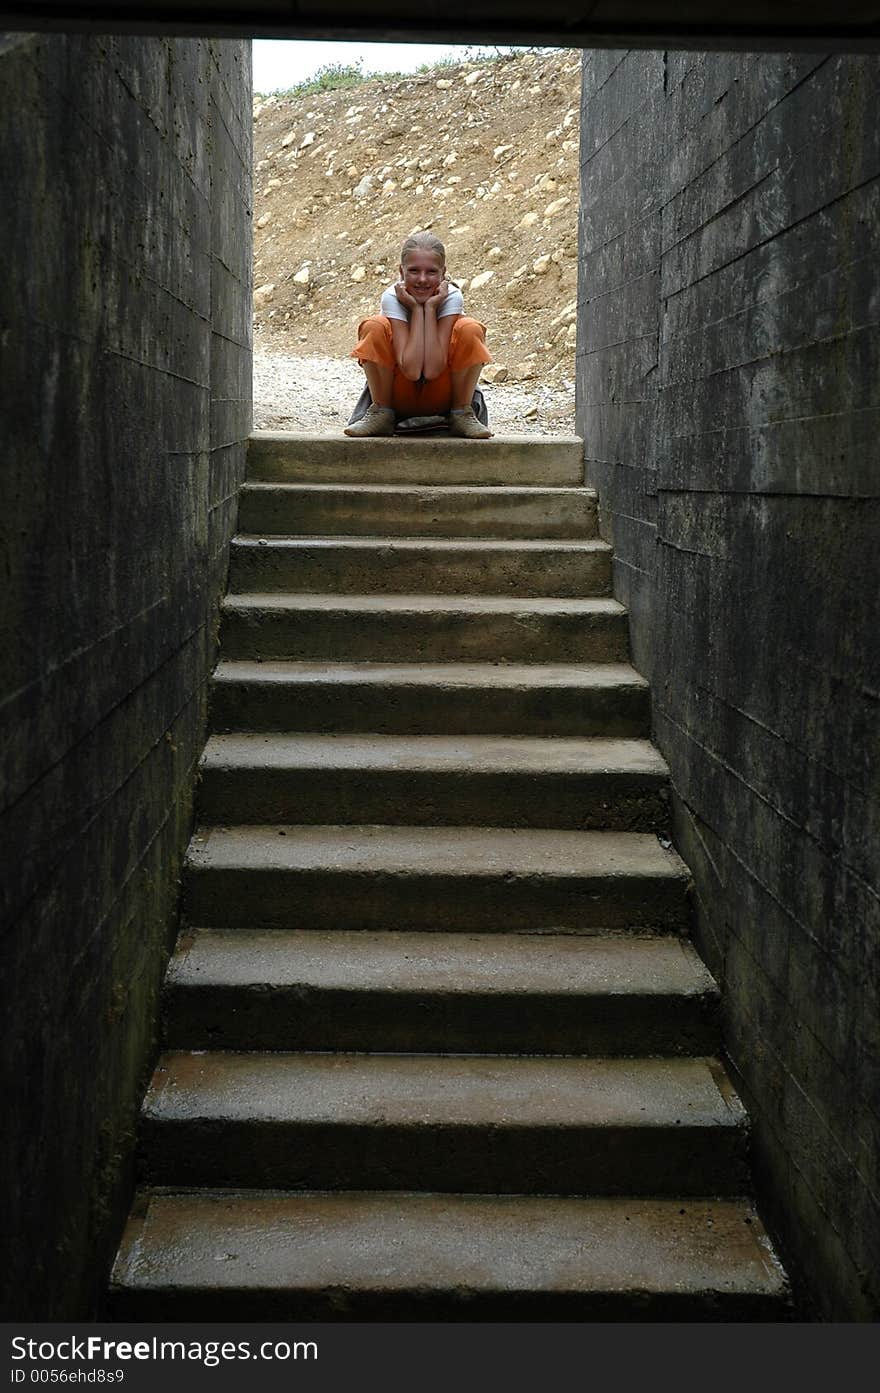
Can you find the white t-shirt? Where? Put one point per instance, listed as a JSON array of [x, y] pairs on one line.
[[391, 306]]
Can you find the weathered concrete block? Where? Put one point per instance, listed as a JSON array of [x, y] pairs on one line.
[[114, 557], [741, 431]]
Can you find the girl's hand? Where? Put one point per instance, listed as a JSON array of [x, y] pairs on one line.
[[436, 300], [404, 296]]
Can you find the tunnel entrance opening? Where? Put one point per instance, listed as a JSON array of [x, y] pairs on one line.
[[480, 151]]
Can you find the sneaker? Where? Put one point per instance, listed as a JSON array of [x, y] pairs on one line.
[[465, 423], [379, 420]]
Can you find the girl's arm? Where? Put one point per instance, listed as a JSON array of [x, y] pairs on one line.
[[409, 343], [437, 333], [409, 339]]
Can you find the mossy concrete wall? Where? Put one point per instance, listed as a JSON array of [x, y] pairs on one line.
[[125, 400], [729, 397]]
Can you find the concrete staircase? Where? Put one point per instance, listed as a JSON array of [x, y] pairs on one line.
[[437, 1045]]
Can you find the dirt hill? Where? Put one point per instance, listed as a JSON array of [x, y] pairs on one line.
[[485, 154]]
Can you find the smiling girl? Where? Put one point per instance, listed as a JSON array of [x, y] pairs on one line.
[[421, 354]]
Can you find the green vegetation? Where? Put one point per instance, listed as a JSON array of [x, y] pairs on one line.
[[438, 64], [330, 78], [336, 76]]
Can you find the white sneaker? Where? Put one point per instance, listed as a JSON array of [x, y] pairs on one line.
[[379, 420], [465, 423]]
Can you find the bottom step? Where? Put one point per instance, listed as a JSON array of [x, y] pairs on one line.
[[257, 1255]]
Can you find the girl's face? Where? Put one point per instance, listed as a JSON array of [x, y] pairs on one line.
[[421, 274]]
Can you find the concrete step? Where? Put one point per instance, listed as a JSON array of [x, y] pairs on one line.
[[457, 780], [583, 699], [357, 1256], [277, 989], [423, 628], [437, 565], [505, 459], [471, 1123], [365, 510], [491, 878], [412, 1257]]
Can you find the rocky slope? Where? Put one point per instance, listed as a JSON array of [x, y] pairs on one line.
[[485, 154]]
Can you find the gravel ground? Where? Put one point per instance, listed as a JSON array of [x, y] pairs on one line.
[[318, 394]]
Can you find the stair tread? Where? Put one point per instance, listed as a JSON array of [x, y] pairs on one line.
[[425, 491], [510, 465], [423, 603], [448, 851], [426, 1091], [377, 542], [474, 675], [450, 963], [539, 755], [435, 1243], [426, 445]]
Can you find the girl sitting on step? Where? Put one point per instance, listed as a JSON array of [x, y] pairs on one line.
[[422, 355]]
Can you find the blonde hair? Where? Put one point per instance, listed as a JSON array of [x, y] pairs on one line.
[[424, 242]]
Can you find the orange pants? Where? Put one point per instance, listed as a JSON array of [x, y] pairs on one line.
[[466, 347]]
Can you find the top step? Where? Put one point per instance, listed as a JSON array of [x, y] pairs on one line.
[[287, 457]]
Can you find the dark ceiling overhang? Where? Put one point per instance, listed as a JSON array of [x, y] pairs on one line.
[[849, 25]]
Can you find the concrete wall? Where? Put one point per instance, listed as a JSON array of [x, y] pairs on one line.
[[125, 400], [729, 396]]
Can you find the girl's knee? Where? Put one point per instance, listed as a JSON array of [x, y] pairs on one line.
[[375, 344], [468, 336], [467, 344], [465, 327], [377, 325]]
